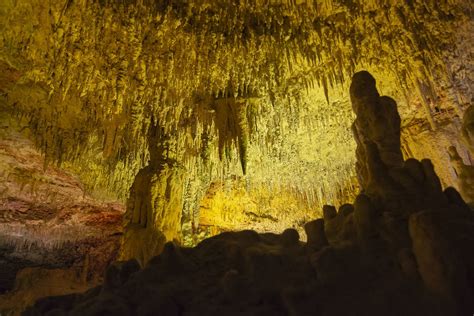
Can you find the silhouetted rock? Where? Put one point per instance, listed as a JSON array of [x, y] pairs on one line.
[[377, 121], [443, 263], [316, 237], [329, 212]]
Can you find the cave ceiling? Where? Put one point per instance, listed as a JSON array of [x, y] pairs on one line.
[[252, 91]]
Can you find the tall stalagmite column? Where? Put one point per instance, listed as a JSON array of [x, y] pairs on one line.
[[377, 123], [403, 205], [154, 206]]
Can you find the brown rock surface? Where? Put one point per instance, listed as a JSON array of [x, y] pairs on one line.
[[316, 234], [54, 238]]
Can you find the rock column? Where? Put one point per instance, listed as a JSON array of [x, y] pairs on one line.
[[154, 206], [377, 123]]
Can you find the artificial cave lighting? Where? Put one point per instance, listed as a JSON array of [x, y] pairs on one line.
[[125, 125]]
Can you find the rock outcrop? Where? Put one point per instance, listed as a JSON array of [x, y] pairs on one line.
[[403, 248], [410, 191]]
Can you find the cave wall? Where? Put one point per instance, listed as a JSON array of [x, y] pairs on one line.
[[54, 237]]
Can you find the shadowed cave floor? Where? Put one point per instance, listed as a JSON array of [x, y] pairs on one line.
[[245, 273]]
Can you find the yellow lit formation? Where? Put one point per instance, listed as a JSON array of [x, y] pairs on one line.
[[251, 94]]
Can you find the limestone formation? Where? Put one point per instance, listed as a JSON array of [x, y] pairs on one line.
[[341, 226], [154, 207], [255, 87], [468, 127], [207, 116], [393, 185], [242, 273], [378, 123], [465, 175], [55, 238], [403, 248], [443, 259]]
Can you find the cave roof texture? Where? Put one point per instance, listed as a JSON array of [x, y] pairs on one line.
[[136, 128], [87, 79]]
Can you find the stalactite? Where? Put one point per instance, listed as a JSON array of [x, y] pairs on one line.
[[104, 70], [426, 106]]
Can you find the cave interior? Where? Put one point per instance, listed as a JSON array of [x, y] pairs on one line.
[[253, 157]]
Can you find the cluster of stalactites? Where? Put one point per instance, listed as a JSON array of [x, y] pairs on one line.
[[105, 71]]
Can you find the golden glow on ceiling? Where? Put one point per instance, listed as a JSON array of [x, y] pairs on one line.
[[95, 75]]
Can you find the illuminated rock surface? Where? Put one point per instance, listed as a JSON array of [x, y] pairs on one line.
[[468, 127], [54, 238], [465, 175], [256, 88], [198, 117], [411, 256], [154, 205]]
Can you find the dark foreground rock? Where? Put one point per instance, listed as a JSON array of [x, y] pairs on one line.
[[245, 273]]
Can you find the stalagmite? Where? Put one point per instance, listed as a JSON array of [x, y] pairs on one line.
[[377, 124], [465, 175], [316, 235], [154, 207]]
